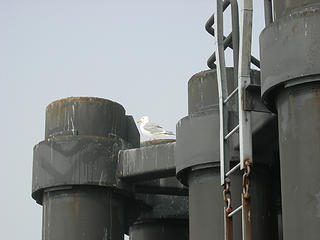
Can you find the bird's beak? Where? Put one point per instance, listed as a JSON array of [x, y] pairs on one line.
[[139, 121]]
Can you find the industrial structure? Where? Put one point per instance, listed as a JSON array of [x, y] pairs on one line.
[[245, 163]]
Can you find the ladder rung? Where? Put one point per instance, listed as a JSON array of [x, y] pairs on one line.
[[232, 132], [235, 211], [233, 169], [231, 95]]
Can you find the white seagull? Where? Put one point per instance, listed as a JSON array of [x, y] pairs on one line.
[[152, 130]]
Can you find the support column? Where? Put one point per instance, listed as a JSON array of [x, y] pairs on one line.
[[299, 133], [198, 165], [74, 169], [290, 69]]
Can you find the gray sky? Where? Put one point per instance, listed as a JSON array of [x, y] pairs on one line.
[[138, 53]]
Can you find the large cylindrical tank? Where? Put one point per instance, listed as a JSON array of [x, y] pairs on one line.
[[74, 169], [198, 161], [290, 69]]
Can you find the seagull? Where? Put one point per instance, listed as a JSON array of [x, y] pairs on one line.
[[152, 130]]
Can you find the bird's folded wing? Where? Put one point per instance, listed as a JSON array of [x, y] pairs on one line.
[[153, 128]]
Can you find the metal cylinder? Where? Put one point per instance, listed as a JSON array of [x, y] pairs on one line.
[[159, 230], [85, 116], [199, 168], [290, 85], [74, 169], [82, 213], [299, 131], [206, 205]]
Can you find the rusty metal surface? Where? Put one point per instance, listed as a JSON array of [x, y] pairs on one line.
[[82, 214], [289, 51], [146, 163], [246, 218], [206, 208], [228, 225], [85, 116]]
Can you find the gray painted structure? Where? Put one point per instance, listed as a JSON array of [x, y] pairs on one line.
[[94, 180], [290, 87]]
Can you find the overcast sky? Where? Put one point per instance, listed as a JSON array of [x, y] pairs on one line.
[[140, 54]]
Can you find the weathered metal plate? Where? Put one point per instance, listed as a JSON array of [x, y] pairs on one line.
[[146, 163], [85, 116], [203, 90], [74, 160]]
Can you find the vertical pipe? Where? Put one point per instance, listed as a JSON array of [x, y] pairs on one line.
[[299, 137], [82, 214], [205, 205]]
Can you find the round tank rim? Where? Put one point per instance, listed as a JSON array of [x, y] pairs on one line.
[[72, 99]]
